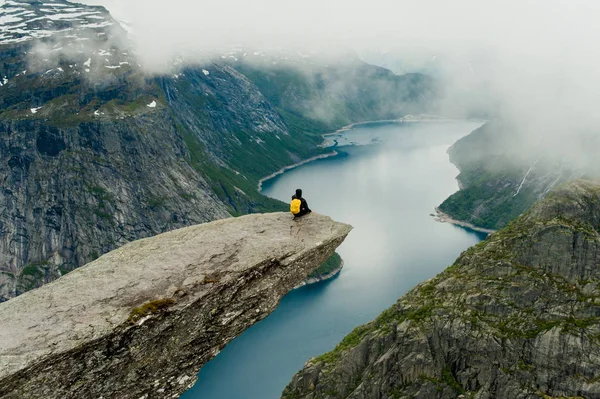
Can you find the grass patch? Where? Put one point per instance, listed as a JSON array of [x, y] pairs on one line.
[[450, 380], [349, 342], [31, 275], [149, 308]]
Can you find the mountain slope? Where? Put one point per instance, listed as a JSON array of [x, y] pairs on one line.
[[340, 92], [504, 171], [96, 153], [517, 316]]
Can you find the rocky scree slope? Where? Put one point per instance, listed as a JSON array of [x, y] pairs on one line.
[[96, 153], [517, 316], [504, 171], [141, 320]]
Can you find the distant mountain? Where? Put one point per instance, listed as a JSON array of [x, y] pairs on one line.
[[96, 153], [504, 171]]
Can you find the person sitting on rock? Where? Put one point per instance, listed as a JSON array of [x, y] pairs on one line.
[[299, 206]]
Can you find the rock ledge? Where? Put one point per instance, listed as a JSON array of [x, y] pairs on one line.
[[140, 321]]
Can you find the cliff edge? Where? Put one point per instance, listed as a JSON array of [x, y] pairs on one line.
[[140, 321], [515, 317]]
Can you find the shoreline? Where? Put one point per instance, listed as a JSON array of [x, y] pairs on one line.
[[442, 217], [406, 118], [293, 166], [324, 277]]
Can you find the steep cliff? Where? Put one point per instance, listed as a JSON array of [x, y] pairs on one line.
[[96, 153], [517, 316], [504, 170], [140, 321]]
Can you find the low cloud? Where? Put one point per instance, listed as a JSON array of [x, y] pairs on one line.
[[534, 62]]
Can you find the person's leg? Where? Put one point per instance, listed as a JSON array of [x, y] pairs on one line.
[[301, 213]]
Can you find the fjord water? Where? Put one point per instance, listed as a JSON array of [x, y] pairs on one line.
[[386, 181]]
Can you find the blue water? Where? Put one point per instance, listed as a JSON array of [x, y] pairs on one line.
[[386, 181]]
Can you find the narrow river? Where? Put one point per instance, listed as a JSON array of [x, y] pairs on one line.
[[386, 181]]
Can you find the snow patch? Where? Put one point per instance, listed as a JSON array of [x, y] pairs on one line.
[[88, 63], [70, 17], [152, 104], [98, 25], [35, 110], [205, 72], [8, 19]]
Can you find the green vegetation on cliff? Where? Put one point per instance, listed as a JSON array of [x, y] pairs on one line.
[[319, 98], [488, 200], [331, 264], [489, 180], [504, 171]]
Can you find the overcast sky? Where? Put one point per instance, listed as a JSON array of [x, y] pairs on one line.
[[539, 57], [519, 25]]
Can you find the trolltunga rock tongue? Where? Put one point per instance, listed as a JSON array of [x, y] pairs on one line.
[[141, 320]]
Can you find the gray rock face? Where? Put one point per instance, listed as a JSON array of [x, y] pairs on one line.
[[517, 316], [140, 321], [63, 211], [86, 165]]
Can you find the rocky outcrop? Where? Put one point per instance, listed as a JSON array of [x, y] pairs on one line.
[[321, 277], [517, 316], [140, 321], [328, 270]]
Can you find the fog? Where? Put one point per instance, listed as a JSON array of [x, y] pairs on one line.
[[533, 62]]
